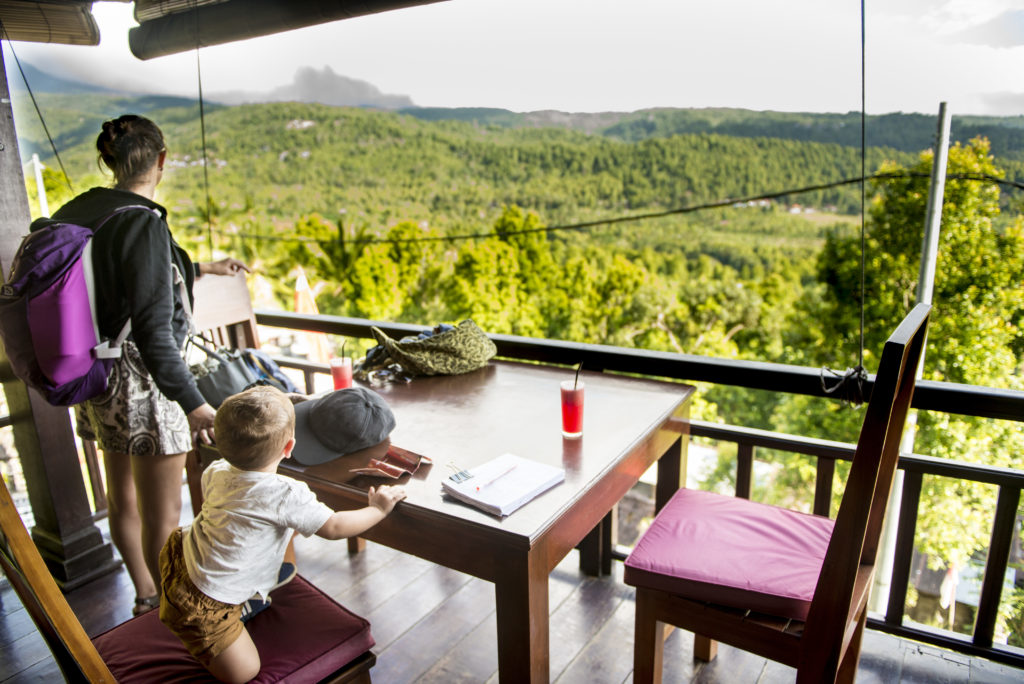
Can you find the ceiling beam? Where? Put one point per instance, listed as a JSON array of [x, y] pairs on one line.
[[231, 20], [67, 23]]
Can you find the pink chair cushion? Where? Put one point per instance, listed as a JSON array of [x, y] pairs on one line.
[[303, 637], [733, 552]]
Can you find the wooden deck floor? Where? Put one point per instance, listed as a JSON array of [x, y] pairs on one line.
[[432, 624]]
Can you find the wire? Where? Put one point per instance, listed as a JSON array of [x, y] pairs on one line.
[[202, 135], [850, 385], [863, 174], [53, 146], [634, 217]]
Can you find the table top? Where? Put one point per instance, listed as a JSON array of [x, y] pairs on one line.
[[515, 408]]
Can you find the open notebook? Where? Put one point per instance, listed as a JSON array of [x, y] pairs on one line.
[[503, 484]]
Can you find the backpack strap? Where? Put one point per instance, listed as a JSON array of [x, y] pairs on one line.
[[111, 349], [121, 210]]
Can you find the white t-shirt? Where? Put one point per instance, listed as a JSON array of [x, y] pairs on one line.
[[234, 547]]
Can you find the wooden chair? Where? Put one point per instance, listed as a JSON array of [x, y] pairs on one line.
[[224, 314], [223, 311], [304, 637], [788, 586]]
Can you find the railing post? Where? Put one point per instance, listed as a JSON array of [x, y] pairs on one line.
[[995, 566], [824, 474], [744, 470], [904, 549]]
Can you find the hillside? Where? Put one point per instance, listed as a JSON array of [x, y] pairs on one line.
[[904, 132], [378, 163]]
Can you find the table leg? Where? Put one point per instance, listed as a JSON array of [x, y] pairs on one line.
[[596, 548], [521, 597], [671, 474]]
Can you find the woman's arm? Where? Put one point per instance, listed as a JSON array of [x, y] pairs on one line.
[[226, 266], [142, 251]]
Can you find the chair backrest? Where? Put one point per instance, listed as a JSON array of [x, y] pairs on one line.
[[223, 311], [74, 652], [854, 543], [223, 314]]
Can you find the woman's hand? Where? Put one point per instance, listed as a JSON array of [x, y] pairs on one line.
[[200, 422], [226, 266]]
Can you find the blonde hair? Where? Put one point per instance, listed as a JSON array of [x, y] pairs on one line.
[[252, 427]]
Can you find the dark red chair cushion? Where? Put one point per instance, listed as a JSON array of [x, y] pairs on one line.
[[304, 636], [733, 552]]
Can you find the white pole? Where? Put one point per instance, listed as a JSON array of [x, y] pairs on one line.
[[933, 218], [44, 208], [925, 289]]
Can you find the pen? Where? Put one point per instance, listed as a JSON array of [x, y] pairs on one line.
[[497, 477]]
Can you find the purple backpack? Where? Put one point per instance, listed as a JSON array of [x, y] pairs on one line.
[[48, 314]]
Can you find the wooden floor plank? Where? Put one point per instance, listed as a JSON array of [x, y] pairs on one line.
[[608, 657], [777, 673], [405, 608], [43, 672], [579, 618], [444, 626], [988, 672], [924, 664], [471, 660], [731, 665], [381, 586], [20, 655], [678, 665], [16, 622], [881, 659]]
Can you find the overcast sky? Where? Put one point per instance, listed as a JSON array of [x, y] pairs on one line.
[[621, 55]]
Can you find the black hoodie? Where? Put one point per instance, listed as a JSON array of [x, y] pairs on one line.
[[132, 257]]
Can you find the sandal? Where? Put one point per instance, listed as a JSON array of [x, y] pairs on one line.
[[285, 575], [144, 605], [253, 607]]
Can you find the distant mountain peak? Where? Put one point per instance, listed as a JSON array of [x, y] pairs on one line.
[[323, 87], [41, 81]]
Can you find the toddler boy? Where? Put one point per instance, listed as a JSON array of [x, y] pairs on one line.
[[233, 549]]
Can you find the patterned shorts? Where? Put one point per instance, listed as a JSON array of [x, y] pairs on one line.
[[133, 416]]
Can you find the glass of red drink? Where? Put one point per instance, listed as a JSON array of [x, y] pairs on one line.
[[341, 371], [572, 409]]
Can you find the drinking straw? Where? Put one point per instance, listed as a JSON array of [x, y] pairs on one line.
[[575, 381], [343, 342]]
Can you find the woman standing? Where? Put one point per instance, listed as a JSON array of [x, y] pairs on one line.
[[152, 412]]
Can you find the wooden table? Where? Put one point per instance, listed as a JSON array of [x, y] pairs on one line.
[[629, 424]]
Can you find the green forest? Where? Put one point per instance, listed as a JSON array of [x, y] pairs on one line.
[[599, 230]]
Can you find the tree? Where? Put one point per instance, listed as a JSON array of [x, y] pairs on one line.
[[975, 336]]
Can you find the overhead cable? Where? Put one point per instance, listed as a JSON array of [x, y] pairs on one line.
[[585, 225], [42, 121]]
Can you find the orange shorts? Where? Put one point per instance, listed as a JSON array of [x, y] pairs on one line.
[[206, 626]]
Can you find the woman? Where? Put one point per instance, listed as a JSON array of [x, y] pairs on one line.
[[151, 413]]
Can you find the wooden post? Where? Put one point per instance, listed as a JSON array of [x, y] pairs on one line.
[[72, 546]]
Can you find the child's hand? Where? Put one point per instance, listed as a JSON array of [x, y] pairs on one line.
[[385, 497]]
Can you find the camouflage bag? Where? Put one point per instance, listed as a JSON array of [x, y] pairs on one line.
[[446, 350]]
